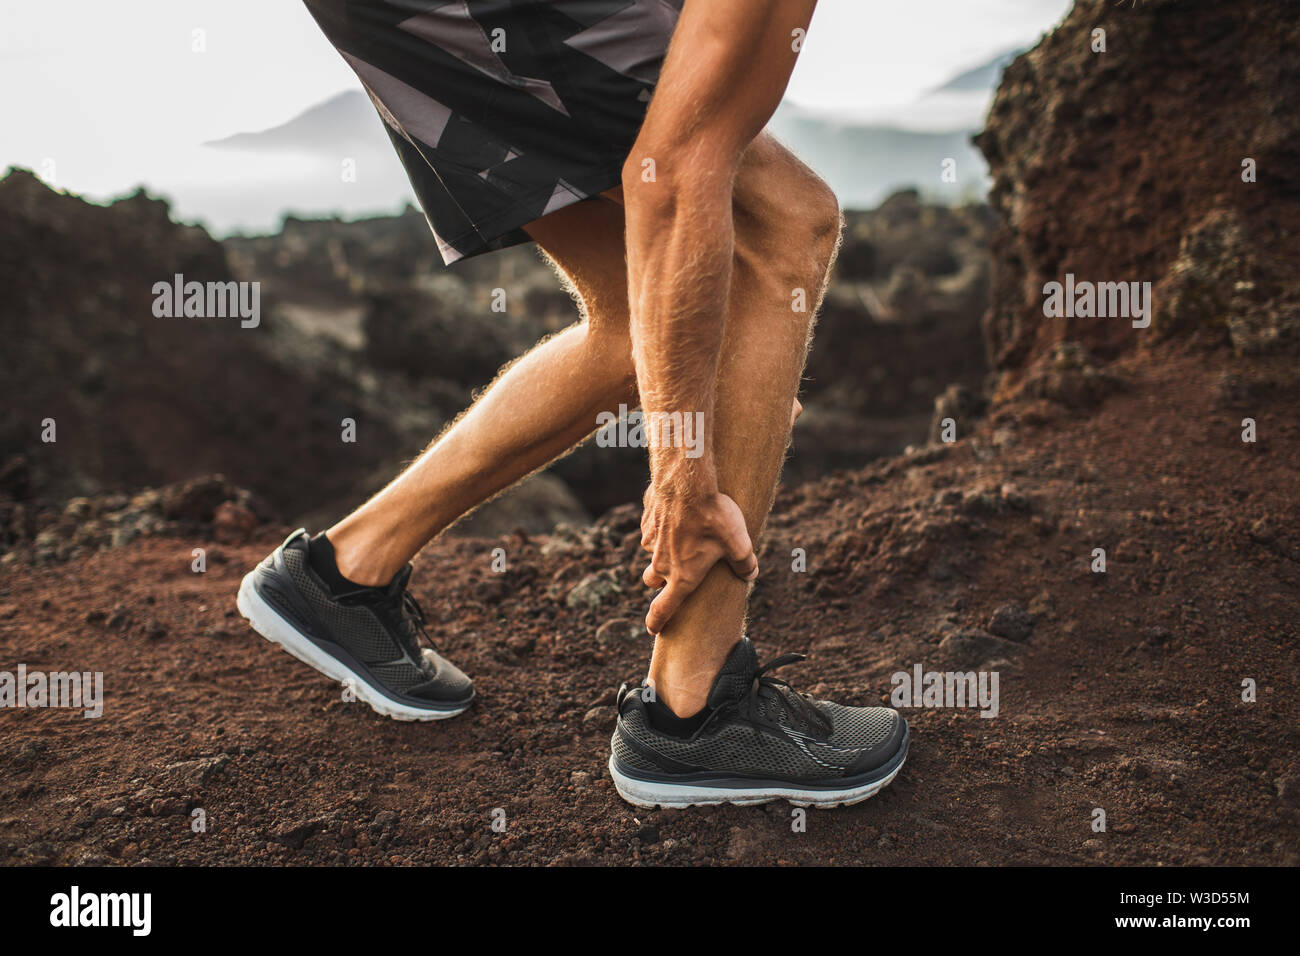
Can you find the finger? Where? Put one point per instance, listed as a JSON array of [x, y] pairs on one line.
[[746, 569], [649, 532], [652, 578], [795, 412], [665, 605], [740, 554]]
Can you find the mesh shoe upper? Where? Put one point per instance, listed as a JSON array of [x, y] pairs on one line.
[[379, 627], [760, 727]]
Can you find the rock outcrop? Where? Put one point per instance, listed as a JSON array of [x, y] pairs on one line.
[[1173, 157], [100, 394]]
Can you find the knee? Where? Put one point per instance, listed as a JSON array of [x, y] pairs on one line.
[[607, 338], [825, 225], [787, 219]]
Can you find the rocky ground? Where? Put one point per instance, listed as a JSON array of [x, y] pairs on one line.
[[1119, 690]]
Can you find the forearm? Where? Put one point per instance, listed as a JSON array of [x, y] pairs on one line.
[[679, 274]]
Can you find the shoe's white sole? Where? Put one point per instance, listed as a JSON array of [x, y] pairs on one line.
[[652, 794], [267, 622]]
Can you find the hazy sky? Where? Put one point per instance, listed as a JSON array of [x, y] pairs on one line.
[[102, 93]]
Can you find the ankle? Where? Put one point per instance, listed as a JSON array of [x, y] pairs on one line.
[[357, 560], [683, 698], [683, 673]]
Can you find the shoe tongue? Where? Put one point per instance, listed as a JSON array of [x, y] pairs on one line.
[[398, 584], [737, 675]]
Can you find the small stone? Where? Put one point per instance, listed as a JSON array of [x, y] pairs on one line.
[[554, 546], [1263, 531], [78, 508], [1158, 635], [1014, 497], [592, 590], [980, 502], [294, 835], [618, 630], [971, 646], [166, 807], [949, 496], [196, 500], [521, 645], [598, 718], [1012, 622], [199, 771]]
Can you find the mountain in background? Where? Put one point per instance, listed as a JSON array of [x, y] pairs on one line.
[[347, 119], [984, 77]]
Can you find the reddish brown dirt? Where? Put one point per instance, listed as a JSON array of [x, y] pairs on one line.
[[1126, 697]]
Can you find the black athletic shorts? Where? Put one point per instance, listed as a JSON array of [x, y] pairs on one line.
[[504, 110]]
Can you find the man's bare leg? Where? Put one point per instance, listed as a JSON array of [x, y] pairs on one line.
[[765, 346], [787, 229], [546, 402], [538, 407], [720, 236]]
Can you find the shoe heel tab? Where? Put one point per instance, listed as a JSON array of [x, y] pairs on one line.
[[300, 531], [629, 695]]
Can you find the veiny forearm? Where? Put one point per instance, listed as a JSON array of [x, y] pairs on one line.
[[679, 271]]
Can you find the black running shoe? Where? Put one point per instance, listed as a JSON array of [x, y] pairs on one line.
[[369, 638], [760, 741]]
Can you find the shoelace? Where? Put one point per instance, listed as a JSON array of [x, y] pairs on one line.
[[409, 615], [794, 701]]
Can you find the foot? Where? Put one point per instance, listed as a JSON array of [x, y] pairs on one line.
[[758, 740], [368, 638]]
